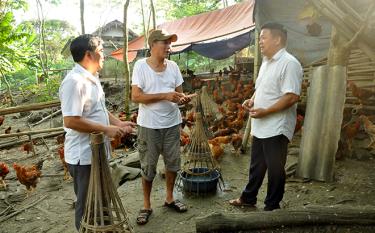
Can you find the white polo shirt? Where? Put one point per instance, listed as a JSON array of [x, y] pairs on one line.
[[162, 114], [277, 76], [81, 94]]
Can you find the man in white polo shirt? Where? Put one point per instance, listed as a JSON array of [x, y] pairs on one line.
[[273, 109], [84, 111], [157, 87]]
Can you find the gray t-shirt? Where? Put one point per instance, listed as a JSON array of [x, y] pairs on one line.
[[278, 76]]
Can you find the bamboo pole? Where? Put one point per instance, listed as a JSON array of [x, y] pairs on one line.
[[29, 107], [32, 132]]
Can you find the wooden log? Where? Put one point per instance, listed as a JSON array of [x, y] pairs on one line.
[[16, 142], [30, 107], [307, 216], [33, 132]]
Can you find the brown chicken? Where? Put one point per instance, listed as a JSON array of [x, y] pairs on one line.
[[28, 176], [116, 143], [224, 132], [61, 153], [133, 117], [361, 93], [216, 149], [4, 170], [220, 140], [218, 98], [299, 123], [370, 130], [349, 131], [2, 118], [28, 146], [236, 143], [60, 139], [7, 131]]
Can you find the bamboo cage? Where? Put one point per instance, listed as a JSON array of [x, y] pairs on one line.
[[200, 172], [104, 211], [209, 107]]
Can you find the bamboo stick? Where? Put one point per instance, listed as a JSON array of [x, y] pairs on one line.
[[30, 107], [31, 132]]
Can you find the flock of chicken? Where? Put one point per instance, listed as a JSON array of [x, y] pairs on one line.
[[227, 129]]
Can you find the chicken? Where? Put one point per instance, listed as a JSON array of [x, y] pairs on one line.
[[236, 143], [216, 149], [184, 138], [7, 131], [28, 146], [28, 176], [4, 170], [299, 123], [224, 132], [220, 140], [116, 143], [218, 98], [370, 130], [361, 93], [349, 131], [60, 139], [133, 117], [2, 118], [61, 153]]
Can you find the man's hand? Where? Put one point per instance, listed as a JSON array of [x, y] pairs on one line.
[[114, 131], [258, 113], [186, 98], [248, 104], [174, 96], [128, 127]]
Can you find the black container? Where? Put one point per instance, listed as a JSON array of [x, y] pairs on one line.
[[200, 183]]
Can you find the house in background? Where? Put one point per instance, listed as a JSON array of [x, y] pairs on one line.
[[112, 35]]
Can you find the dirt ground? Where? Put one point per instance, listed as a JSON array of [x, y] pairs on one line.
[[353, 186]]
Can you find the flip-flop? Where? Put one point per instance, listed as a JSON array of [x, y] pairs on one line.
[[143, 216], [177, 206], [239, 202]]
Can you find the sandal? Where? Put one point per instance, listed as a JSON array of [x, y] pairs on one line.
[[177, 206], [143, 216], [239, 202]]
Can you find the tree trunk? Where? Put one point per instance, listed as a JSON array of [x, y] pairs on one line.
[[153, 14], [82, 10], [42, 43], [125, 58], [308, 216], [8, 88], [145, 32]]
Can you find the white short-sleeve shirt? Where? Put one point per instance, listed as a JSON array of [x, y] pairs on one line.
[[162, 114], [81, 94], [277, 76]]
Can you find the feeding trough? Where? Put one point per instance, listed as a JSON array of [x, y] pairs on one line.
[[200, 172]]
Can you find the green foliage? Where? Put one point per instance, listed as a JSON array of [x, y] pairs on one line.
[[182, 8]]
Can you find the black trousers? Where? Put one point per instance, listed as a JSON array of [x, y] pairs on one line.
[[81, 178], [267, 153]]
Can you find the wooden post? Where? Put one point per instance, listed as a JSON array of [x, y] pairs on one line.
[[257, 62], [126, 63]]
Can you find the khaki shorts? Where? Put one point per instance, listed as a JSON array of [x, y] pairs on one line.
[[155, 142]]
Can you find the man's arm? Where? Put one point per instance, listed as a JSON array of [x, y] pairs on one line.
[[83, 125], [139, 97], [114, 120]]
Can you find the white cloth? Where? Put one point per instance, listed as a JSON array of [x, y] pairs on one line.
[[277, 76], [82, 95], [162, 114]]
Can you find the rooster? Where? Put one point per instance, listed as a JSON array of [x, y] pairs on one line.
[[4, 170], [216, 149], [28, 176], [349, 131]]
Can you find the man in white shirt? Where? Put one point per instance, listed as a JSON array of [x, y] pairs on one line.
[[273, 109], [84, 111], [157, 87]]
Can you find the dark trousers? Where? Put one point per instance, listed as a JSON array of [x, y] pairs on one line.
[[267, 153], [81, 178]]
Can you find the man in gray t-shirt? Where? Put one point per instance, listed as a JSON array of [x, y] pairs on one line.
[[273, 111]]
